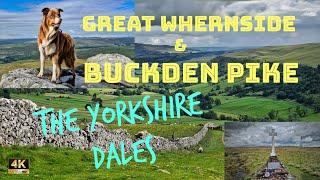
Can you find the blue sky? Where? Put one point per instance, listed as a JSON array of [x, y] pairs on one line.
[[19, 5], [23, 5], [21, 18]]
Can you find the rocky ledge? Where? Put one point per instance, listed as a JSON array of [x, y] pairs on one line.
[[27, 77]]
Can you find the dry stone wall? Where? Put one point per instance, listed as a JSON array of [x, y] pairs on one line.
[[19, 127]]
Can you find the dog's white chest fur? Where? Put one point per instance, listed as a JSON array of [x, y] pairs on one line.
[[48, 45], [49, 48]]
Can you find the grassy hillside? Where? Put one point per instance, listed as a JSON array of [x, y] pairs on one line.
[[254, 106], [65, 101], [211, 87], [47, 162], [303, 53], [258, 107], [59, 163], [303, 163]]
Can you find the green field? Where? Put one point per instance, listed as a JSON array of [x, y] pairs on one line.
[[303, 163], [67, 101], [255, 107], [258, 107], [303, 53], [209, 87], [58, 163]]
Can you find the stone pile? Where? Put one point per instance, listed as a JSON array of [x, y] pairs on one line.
[[161, 143], [19, 127]]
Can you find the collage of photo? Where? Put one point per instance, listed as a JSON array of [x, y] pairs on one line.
[[172, 89]]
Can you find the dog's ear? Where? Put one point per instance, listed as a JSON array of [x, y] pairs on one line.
[[45, 11], [60, 10]]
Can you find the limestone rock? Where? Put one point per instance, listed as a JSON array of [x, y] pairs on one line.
[[19, 127], [26, 78], [110, 58]]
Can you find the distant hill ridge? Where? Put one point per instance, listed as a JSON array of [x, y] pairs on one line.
[[26, 49], [307, 54]]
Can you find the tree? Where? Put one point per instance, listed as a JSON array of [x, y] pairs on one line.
[[5, 93], [217, 102], [209, 115], [316, 107], [281, 95], [244, 118], [117, 92], [273, 114], [302, 112], [223, 117], [138, 92], [206, 102], [126, 92], [94, 97], [266, 93]]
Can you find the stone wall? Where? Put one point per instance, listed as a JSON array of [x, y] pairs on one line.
[[19, 127]]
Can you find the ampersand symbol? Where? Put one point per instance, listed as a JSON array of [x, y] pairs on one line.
[[180, 46]]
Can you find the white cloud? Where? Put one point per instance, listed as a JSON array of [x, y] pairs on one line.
[[157, 37], [307, 20], [25, 24]]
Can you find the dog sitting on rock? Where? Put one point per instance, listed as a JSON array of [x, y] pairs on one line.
[[55, 45]]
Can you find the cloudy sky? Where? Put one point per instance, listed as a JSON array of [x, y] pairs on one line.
[[21, 18], [257, 134], [307, 14]]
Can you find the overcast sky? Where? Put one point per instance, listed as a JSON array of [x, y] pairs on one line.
[[21, 18], [243, 134], [307, 13]]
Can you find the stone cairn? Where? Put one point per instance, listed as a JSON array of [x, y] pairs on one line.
[[19, 127]]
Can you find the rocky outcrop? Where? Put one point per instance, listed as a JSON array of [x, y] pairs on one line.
[[19, 127], [27, 77], [110, 58]]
